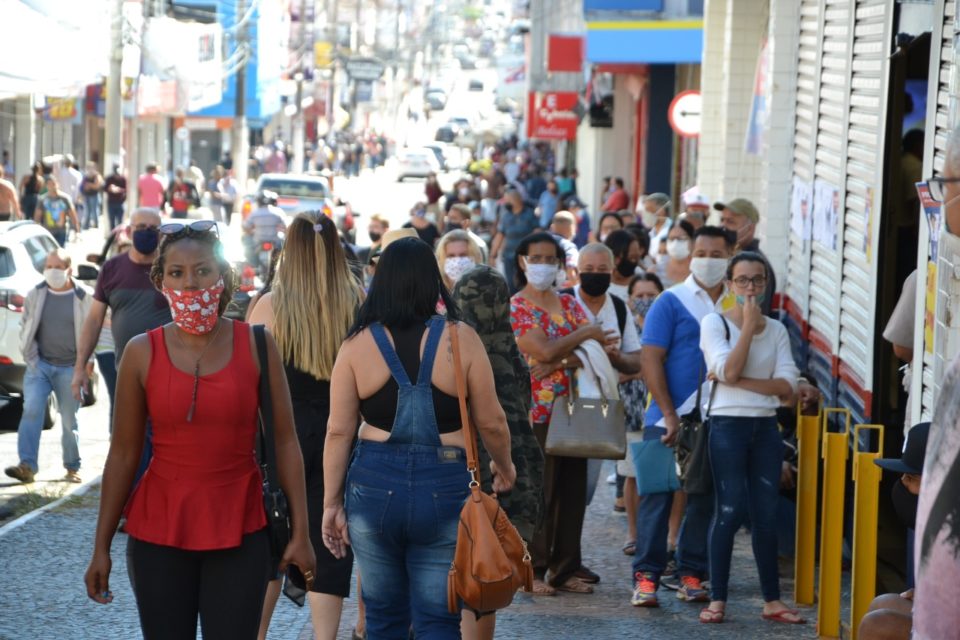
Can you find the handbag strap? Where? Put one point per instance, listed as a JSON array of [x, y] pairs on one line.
[[268, 451], [713, 388], [469, 437]]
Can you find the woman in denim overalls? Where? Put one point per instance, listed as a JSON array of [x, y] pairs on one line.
[[407, 482]]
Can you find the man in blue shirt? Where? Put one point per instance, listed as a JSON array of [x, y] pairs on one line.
[[673, 369], [577, 207], [517, 221]]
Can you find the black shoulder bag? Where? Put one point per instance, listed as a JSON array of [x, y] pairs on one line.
[[274, 500], [693, 440]]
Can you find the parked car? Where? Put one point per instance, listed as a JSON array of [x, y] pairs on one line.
[[435, 99], [416, 163], [467, 61], [24, 246], [303, 192], [438, 149], [446, 133]]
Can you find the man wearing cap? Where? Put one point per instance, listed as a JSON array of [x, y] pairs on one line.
[[741, 217], [696, 210], [890, 616]]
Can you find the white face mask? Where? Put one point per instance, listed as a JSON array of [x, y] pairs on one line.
[[541, 276], [456, 267], [709, 272], [56, 278], [678, 249], [649, 219]]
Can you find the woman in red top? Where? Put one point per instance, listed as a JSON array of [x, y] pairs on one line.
[[198, 544], [548, 327]]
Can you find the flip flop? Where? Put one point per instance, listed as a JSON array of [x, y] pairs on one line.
[[710, 616], [575, 585], [541, 588], [781, 616], [630, 547]]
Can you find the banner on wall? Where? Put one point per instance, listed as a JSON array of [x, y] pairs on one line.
[[801, 208], [931, 209], [760, 103], [62, 110]]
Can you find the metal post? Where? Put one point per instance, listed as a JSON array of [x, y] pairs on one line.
[[831, 524], [241, 144], [808, 454], [866, 476], [298, 118], [113, 125]]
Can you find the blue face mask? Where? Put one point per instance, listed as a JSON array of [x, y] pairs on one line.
[[741, 300]]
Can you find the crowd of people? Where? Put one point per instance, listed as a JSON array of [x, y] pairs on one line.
[[663, 312]]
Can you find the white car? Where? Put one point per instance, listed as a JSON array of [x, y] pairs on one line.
[[24, 246], [416, 163]]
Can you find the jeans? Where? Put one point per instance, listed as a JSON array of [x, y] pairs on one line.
[[115, 214], [746, 455], [60, 235], [38, 383], [509, 271], [91, 211], [653, 525], [403, 499], [107, 362]]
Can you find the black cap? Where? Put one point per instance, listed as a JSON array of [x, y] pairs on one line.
[[913, 453]]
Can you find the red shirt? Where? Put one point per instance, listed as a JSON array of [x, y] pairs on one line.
[[151, 190], [203, 488], [618, 201]]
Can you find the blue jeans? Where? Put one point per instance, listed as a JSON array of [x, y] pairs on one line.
[[38, 383], [91, 211], [115, 214], [746, 455], [403, 499], [653, 525]]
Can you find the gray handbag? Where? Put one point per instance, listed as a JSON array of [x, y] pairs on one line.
[[587, 427]]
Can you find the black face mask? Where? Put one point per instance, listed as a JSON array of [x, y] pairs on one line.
[[626, 268], [452, 226], [375, 236], [146, 240], [595, 284], [905, 504]]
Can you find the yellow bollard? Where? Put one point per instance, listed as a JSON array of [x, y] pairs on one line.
[[866, 476], [808, 455], [831, 525]]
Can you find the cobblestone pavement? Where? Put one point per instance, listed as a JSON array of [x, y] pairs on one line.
[[44, 561]]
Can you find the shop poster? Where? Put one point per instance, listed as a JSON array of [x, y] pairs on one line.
[[826, 212], [801, 206], [931, 209]]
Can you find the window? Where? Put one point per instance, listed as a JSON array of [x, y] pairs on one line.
[[7, 266], [296, 188], [38, 247]]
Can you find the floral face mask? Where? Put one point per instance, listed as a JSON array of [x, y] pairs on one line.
[[195, 311]]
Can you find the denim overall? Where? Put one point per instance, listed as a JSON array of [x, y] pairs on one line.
[[403, 501]]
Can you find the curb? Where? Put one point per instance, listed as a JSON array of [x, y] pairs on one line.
[[78, 490]]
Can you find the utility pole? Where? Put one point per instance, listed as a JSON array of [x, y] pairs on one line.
[[241, 142], [298, 117], [113, 126], [333, 15]]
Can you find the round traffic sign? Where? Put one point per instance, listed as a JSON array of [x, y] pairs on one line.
[[685, 114]]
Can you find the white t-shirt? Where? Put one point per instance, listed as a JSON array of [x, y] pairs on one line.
[[619, 290], [770, 358], [629, 340]]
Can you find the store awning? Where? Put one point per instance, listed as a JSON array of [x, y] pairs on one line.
[[645, 42]]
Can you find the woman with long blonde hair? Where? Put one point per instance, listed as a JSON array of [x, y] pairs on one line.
[[309, 311]]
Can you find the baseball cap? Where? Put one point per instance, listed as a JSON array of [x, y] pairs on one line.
[[574, 202], [740, 205], [914, 452], [697, 201]]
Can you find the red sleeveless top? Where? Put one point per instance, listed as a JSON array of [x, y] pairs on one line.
[[203, 488]]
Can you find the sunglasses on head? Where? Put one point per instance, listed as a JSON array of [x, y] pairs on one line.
[[197, 226]]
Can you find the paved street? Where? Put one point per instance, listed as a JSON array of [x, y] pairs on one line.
[[58, 543]]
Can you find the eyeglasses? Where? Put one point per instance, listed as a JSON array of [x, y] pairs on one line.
[[143, 227], [757, 281], [197, 226], [551, 260], [936, 187]]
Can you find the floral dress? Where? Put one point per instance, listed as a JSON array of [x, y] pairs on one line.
[[524, 316], [634, 396]]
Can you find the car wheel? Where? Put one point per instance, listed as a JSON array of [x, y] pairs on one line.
[[51, 413]]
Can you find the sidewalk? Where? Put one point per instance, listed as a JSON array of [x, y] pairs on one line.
[[47, 556]]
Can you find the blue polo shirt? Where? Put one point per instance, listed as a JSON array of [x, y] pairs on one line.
[[673, 323]]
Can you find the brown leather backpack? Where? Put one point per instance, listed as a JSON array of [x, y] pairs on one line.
[[491, 561]]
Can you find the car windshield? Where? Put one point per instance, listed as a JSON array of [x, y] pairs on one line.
[[296, 188]]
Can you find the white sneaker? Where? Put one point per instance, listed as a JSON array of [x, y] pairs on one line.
[[612, 478]]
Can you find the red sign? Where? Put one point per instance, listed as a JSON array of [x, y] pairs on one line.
[[551, 115], [565, 53]]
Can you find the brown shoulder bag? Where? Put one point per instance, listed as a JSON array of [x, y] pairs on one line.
[[491, 561]]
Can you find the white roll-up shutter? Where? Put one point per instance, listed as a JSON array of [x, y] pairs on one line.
[[938, 352], [826, 263], [808, 72], [864, 181]]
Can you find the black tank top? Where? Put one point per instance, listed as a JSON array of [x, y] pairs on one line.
[[380, 409], [304, 387]]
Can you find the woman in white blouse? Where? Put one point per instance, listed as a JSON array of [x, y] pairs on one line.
[[748, 357]]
